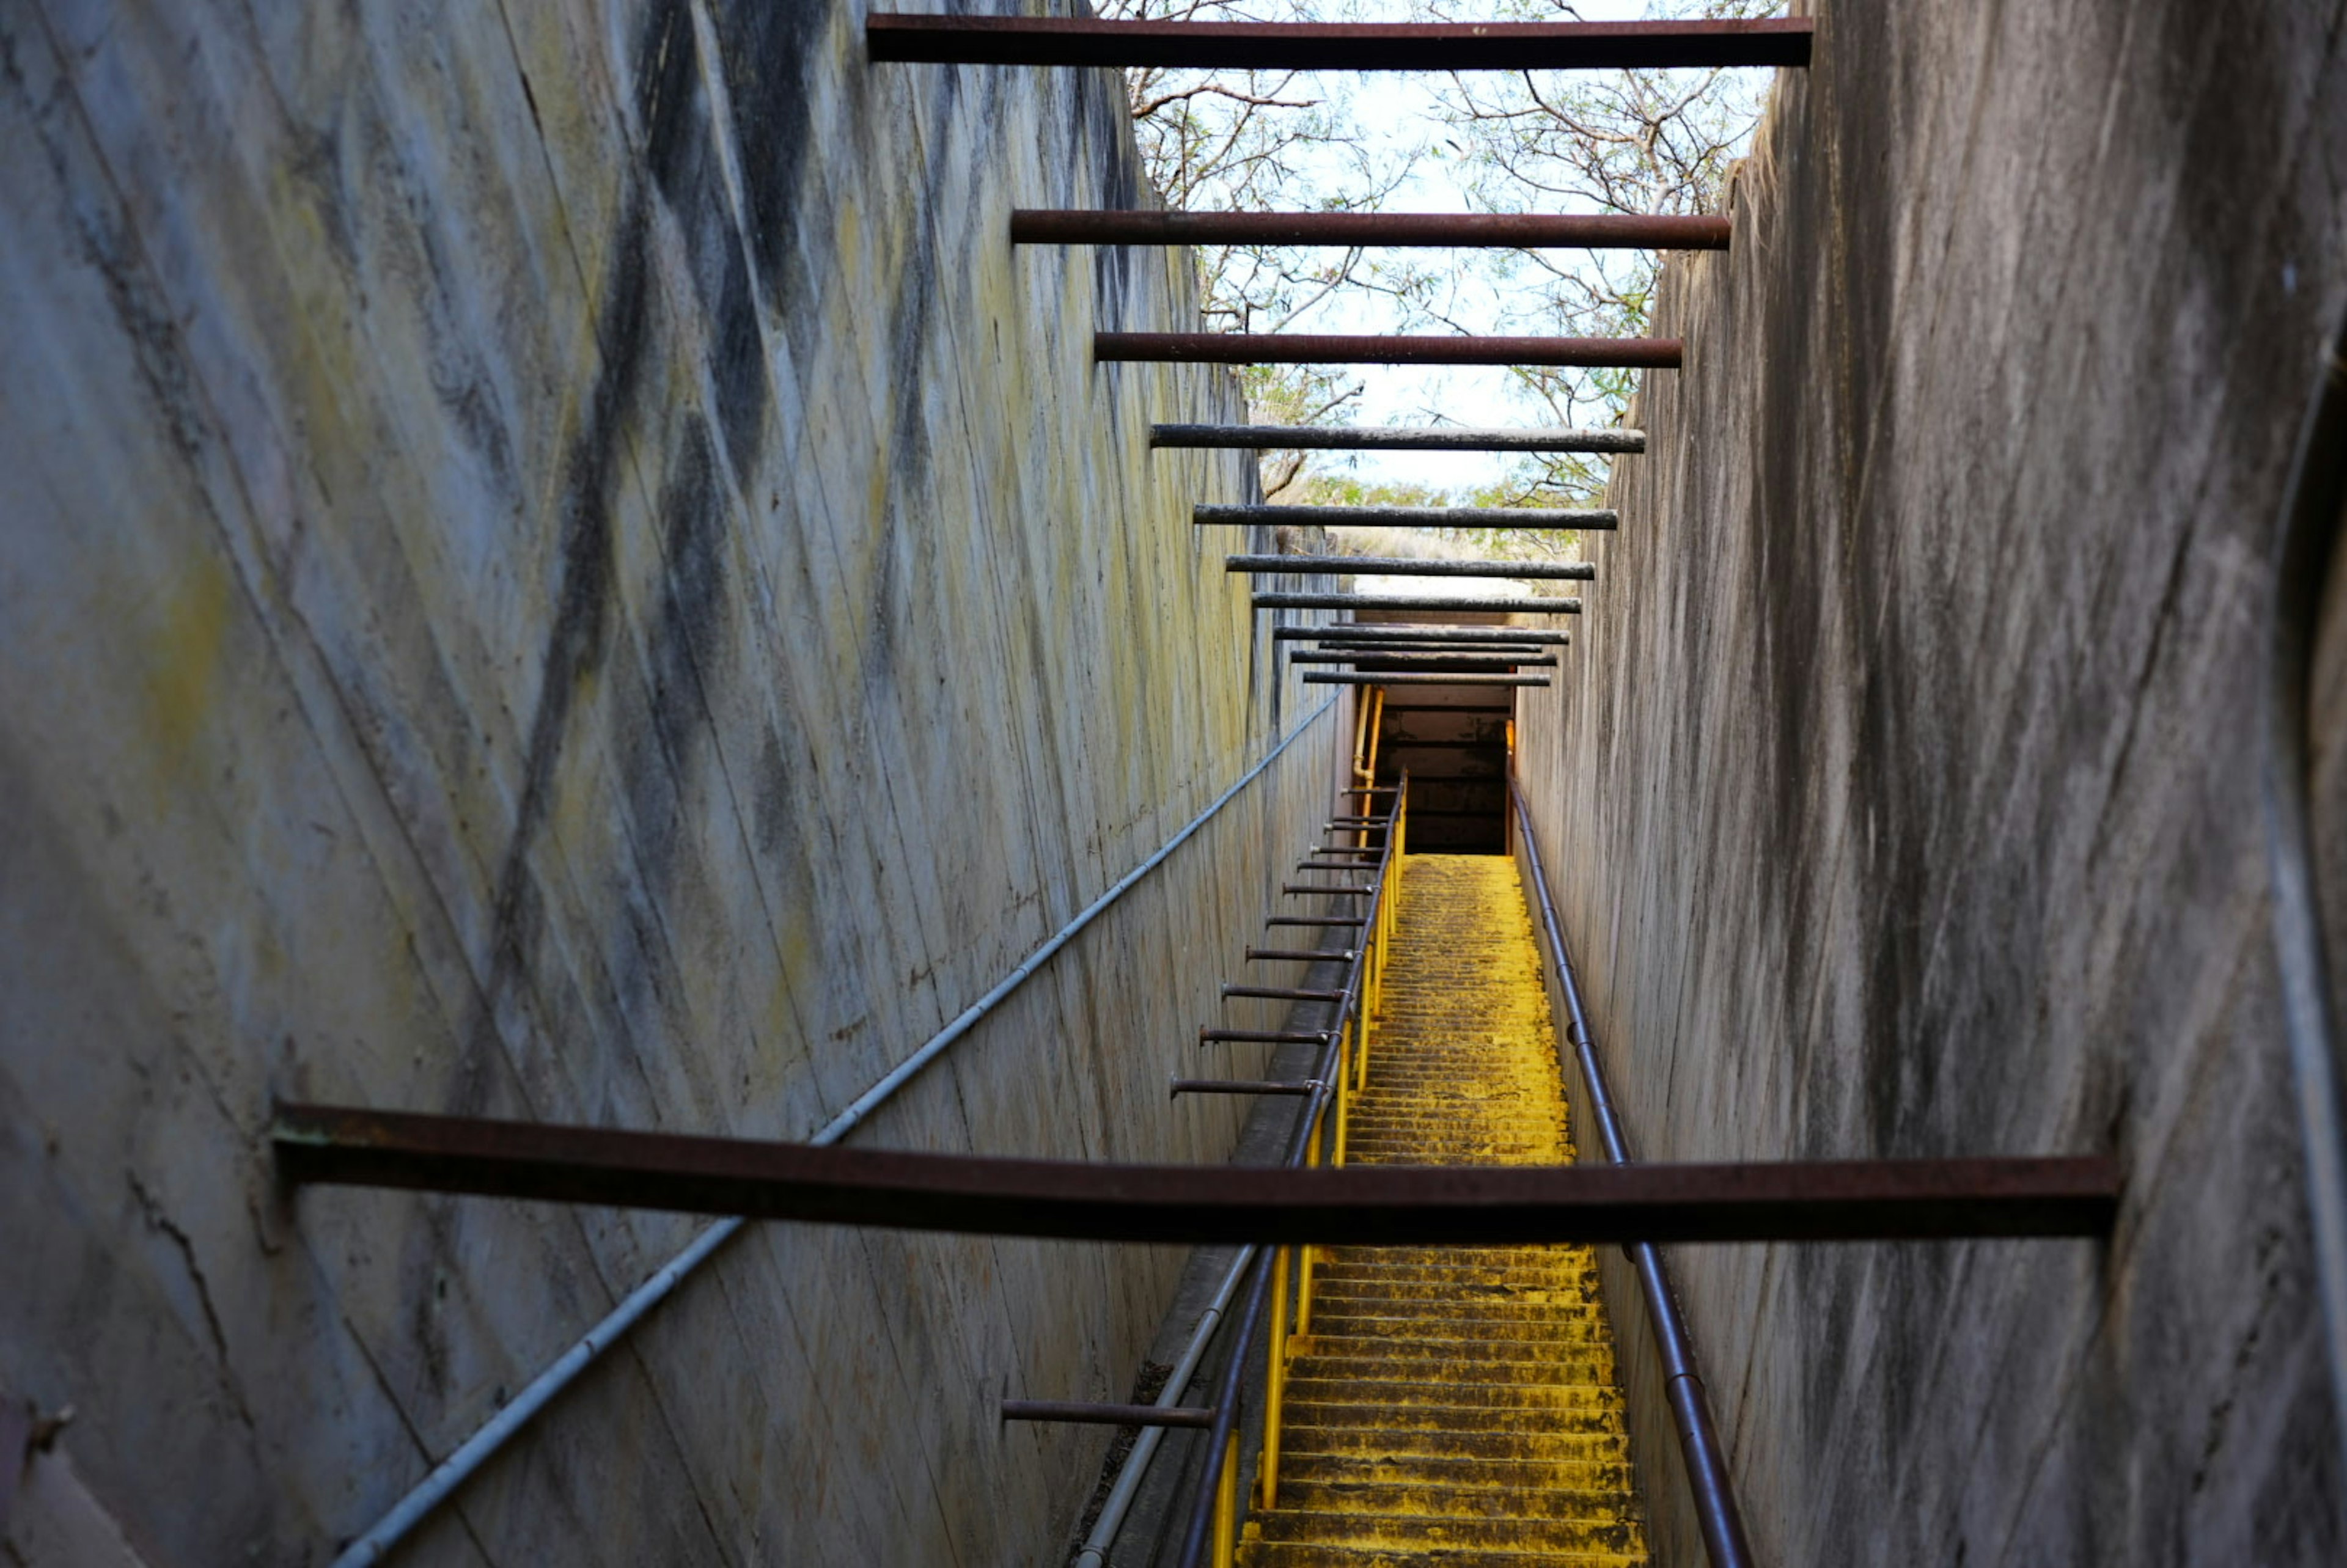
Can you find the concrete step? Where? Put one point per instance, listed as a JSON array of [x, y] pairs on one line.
[[1436, 1108], [1466, 1260], [1439, 1128], [1472, 1256], [1527, 1149], [1323, 1391], [1418, 1361], [1301, 1554], [1420, 1532], [1555, 1330], [1591, 1418], [1483, 1295], [1600, 1506], [1456, 1405], [1553, 1275], [1516, 1444], [1523, 1475]]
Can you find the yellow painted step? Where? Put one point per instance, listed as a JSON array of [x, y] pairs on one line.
[[1493, 1261], [1455, 1405], [1526, 1476], [1448, 1362], [1494, 1300], [1551, 1325], [1482, 1390], [1352, 1264], [1508, 1442], [1308, 1555], [1454, 1357], [1595, 1505], [1406, 1532]]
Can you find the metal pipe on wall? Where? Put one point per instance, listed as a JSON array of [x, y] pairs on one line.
[[1094, 1554], [2306, 556], [443, 1480]]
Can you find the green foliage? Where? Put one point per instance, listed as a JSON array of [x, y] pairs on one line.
[[1323, 488]]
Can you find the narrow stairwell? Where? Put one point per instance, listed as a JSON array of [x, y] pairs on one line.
[[1455, 1405]]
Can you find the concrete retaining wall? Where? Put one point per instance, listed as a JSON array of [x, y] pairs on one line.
[[558, 565], [1901, 794]]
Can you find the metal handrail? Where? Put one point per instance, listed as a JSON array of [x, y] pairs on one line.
[[1215, 1512], [2305, 557], [1716, 1514]]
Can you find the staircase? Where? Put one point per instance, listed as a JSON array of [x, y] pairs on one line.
[[1455, 1405]]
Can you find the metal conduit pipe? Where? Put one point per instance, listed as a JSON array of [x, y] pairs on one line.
[[1716, 1514], [1094, 1554], [444, 1478], [2313, 510]]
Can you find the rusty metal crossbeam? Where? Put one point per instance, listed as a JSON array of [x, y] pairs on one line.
[[1395, 438], [1282, 994], [1421, 678], [1457, 659], [1108, 1415], [1081, 1200], [1244, 1086], [1321, 348], [1518, 605], [1207, 1036], [1302, 956], [1340, 652], [1492, 647], [1209, 515], [1338, 46], [1350, 652], [1414, 566], [1519, 231], [1398, 632]]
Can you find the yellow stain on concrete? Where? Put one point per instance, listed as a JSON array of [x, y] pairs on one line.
[[183, 654], [1456, 1404]]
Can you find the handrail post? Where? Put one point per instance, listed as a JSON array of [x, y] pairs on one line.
[[1226, 1502], [1274, 1383], [1304, 1292], [1345, 1031]]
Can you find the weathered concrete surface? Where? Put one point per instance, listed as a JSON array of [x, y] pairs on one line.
[[1900, 792], [556, 564]]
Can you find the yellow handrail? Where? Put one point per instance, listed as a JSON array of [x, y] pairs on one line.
[[1227, 1503]]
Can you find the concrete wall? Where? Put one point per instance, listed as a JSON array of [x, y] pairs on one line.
[[556, 564], [1901, 792]]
